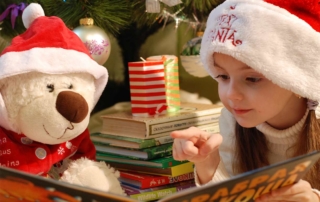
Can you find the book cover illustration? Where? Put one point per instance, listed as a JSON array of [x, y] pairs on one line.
[[250, 185], [20, 186], [17, 185]]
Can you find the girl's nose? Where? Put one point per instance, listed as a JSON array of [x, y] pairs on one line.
[[234, 91]]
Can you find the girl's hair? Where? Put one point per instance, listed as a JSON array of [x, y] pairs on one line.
[[252, 149]]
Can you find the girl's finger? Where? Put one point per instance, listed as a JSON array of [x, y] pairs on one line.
[[189, 149], [211, 145], [177, 150], [191, 134]]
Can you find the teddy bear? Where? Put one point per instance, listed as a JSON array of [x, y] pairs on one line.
[[49, 84]]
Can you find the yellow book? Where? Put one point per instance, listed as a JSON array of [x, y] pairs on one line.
[[170, 171]]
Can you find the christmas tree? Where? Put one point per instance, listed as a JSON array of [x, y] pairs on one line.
[[129, 22]]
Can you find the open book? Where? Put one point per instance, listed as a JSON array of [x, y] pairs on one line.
[[245, 187]]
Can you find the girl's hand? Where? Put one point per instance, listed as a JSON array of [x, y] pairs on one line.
[[195, 145], [199, 147], [298, 192]]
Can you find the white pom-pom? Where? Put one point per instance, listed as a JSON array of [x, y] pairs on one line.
[[96, 175], [30, 13]]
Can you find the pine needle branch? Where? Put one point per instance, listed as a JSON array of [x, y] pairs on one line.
[[200, 8], [110, 15]]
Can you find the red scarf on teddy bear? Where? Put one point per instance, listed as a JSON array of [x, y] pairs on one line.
[[19, 152]]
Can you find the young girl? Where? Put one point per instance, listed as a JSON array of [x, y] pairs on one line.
[[265, 57]]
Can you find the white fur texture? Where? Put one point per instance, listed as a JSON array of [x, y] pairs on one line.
[[50, 61], [30, 13], [276, 43], [96, 175], [31, 106]]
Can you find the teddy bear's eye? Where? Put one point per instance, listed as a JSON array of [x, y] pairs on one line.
[[70, 86], [50, 87]]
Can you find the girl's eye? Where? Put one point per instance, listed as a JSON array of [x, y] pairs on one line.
[[223, 77], [253, 80], [50, 87]]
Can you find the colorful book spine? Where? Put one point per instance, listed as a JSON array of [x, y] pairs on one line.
[[164, 129], [182, 124], [144, 181], [143, 154], [129, 142], [210, 128], [156, 193], [189, 115], [162, 162], [147, 88], [170, 171], [171, 70]]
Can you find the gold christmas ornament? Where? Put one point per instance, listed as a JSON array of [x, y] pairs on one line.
[[95, 39]]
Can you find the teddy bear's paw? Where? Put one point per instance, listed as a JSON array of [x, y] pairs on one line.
[[96, 175]]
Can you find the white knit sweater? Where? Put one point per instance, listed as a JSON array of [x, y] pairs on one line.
[[279, 141]]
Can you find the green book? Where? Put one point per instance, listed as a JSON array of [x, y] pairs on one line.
[[129, 142], [143, 154], [162, 162]]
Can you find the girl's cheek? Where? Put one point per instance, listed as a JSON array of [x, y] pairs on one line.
[[222, 93]]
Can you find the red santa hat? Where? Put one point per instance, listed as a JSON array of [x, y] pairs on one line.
[[278, 38], [48, 46]]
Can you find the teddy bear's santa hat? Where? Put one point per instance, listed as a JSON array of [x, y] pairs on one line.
[[48, 46], [278, 38]]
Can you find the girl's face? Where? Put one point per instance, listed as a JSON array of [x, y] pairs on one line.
[[252, 98]]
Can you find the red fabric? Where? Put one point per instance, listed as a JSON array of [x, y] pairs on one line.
[[47, 32], [18, 152], [307, 10]]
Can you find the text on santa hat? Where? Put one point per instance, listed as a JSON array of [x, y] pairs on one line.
[[223, 31]]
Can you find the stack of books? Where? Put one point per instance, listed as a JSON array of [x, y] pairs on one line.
[[141, 149]]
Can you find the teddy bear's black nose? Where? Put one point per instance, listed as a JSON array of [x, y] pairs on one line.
[[72, 106]]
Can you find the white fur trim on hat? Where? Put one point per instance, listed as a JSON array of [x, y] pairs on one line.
[[53, 61], [30, 13], [269, 39]]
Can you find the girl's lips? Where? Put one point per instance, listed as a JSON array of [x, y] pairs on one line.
[[241, 111]]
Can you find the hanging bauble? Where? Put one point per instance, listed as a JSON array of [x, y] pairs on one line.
[[190, 57], [95, 39]]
